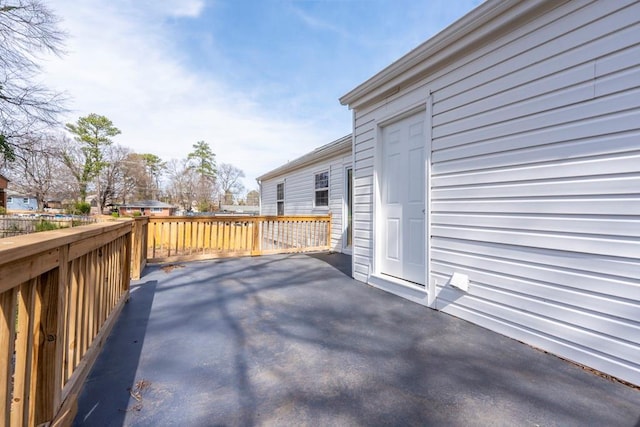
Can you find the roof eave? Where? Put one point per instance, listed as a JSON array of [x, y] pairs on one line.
[[334, 148]]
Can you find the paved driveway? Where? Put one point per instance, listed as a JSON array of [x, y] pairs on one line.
[[293, 341]]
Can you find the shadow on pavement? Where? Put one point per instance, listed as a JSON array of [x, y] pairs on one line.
[[291, 340], [339, 261], [106, 397]]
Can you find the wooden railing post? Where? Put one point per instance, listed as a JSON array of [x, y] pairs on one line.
[[7, 317], [46, 347], [63, 279], [125, 274], [139, 238], [329, 232], [257, 237]]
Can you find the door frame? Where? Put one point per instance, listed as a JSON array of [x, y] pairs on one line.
[[422, 295], [346, 206]]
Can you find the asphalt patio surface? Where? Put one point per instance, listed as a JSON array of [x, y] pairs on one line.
[[291, 340]]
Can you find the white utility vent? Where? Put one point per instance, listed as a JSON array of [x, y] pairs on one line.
[[460, 281]]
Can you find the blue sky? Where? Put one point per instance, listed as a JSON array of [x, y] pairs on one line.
[[259, 80]]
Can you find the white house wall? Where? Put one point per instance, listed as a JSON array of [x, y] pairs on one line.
[[299, 194], [535, 182]]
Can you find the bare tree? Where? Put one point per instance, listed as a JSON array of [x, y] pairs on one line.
[[27, 28], [183, 183], [73, 158], [36, 170], [229, 183], [136, 183], [112, 177]]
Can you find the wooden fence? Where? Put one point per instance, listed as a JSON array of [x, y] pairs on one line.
[[192, 238], [60, 293], [16, 226]]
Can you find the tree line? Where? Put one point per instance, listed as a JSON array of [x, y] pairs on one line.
[[56, 166], [43, 161]]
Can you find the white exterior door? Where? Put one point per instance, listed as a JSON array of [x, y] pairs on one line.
[[402, 199]]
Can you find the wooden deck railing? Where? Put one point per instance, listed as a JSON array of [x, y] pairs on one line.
[[60, 293], [192, 238]]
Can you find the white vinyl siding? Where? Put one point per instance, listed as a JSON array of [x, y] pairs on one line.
[[300, 193], [535, 182]]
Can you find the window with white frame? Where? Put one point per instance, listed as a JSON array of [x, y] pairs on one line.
[[156, 210], [321, 198], [280, 198]]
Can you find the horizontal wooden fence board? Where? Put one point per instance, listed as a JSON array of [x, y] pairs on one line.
[[77, 249], [12, 274]]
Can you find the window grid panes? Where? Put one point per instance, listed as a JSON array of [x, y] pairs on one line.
[[280, 199], [322, 189]]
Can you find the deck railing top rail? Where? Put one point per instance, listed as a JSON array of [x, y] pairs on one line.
[[30, 244]]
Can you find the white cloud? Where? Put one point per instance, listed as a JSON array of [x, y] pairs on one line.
[[319, 24], [123, 65], [180, 8]]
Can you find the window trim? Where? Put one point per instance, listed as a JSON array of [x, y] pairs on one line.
[[322, 189], [280, 200]]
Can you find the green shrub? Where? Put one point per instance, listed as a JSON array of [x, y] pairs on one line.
[[3, 211], [204, 207], [45, 225], [137, 213], [115, 214], [82, 208]]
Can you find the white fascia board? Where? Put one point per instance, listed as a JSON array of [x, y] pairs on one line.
[[437, 50], [339, 146]]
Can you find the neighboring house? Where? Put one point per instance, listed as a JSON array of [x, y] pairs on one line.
[[53, 204], [147, 208], [314, 184], [4, 182], [497, 176], [21, 202], [240, 209]]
